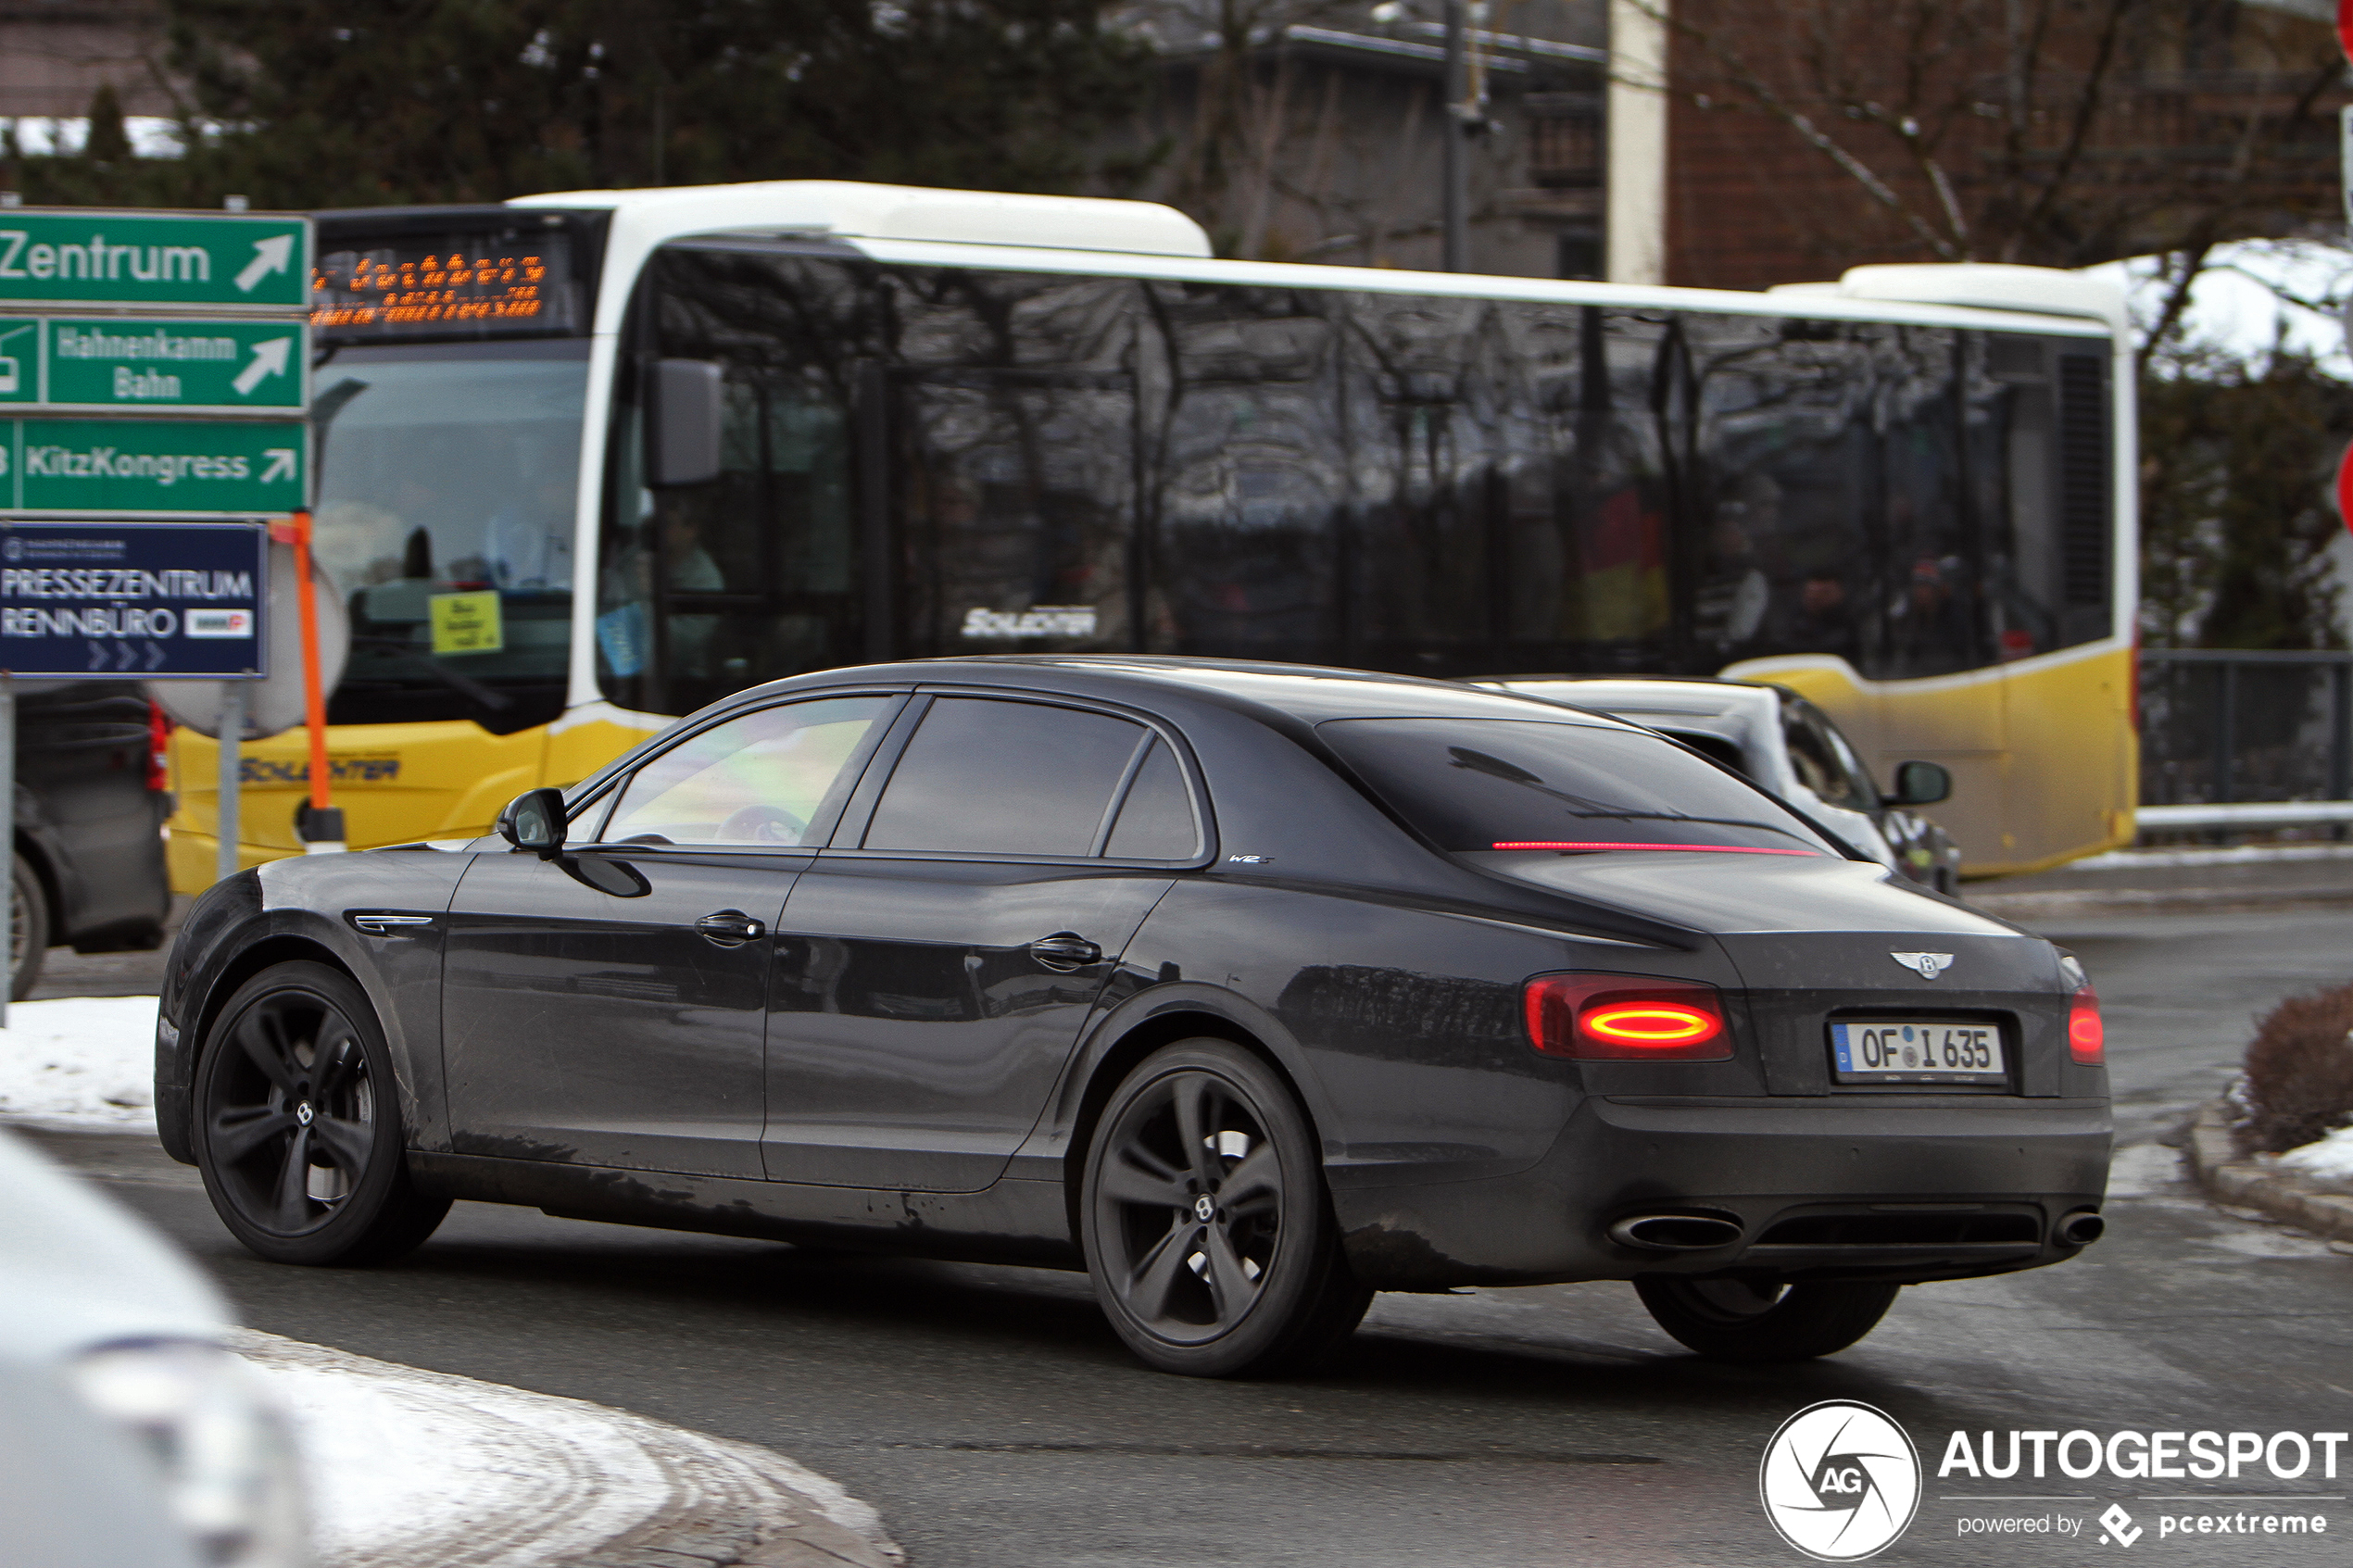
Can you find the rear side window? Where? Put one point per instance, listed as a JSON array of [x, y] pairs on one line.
[[1156, 820], [1512, 784], [989, 777]]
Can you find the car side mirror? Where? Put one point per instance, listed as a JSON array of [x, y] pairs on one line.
[[535, 821], [687, 405], [1921, 783]]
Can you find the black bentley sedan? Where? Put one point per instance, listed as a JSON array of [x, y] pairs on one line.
[[1250, 989]]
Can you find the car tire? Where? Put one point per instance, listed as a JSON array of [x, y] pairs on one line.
[[1733, 1321], [298, 1124], [28, 930], [1207, 1227]]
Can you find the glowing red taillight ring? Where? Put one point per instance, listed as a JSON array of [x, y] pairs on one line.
[[1651, 1023], [2086, 1036]]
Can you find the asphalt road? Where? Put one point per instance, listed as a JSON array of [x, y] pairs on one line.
[[996, 1422]]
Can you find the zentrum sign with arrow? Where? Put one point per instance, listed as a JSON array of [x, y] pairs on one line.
[[164, 259], [176, 365]]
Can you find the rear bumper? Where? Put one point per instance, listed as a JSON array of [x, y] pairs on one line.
[[1850, 1186]]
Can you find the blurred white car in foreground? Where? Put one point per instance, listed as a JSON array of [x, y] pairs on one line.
[[130, 1437]]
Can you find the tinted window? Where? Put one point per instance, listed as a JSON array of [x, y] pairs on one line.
[[1714, 746], [989, 777], [1495, 784], [1156, 820], [757, 781], [1824, 762]]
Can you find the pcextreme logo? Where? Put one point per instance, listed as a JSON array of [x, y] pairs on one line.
[[1840, 1481]]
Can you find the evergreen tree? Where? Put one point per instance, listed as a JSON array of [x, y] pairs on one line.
[[107, 141], [479, 100]]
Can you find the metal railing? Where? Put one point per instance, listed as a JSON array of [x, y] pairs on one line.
[[2232, 726]]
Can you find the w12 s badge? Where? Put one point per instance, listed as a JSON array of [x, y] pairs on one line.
[[1840, 1481]]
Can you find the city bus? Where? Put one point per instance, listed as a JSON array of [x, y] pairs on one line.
[[588, 461]]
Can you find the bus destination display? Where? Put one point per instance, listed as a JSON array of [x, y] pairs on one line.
[[456, 285]]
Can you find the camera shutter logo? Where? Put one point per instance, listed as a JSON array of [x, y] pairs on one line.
[[1840, 1481]]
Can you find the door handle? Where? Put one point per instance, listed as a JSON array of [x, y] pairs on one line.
[[730, 928], [1066, 950]]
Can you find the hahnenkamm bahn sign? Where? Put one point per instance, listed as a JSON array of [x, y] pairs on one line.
[[155, 371]]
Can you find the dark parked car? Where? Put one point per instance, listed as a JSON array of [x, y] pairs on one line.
[[1251, 989], [91, 803]]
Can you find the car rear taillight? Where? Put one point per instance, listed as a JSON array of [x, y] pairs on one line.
[[2086, 1041], [159, 752], [1626, 1017]]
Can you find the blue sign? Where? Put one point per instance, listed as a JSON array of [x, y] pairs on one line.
[[96, 601]]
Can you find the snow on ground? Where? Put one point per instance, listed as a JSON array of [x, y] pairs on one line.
[[85, 1061], [410, 1467], [2331, 1159]]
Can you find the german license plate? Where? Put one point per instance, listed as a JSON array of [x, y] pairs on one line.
[[1918, 1050]]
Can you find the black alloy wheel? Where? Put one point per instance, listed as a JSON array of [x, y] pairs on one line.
[[1207, 1229], [298, 1131], [1739, 1319]]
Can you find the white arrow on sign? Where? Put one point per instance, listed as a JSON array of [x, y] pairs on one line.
[[270, 255], [155, 656], [281, 463], [124, 658], [97, 656], [269, 360]]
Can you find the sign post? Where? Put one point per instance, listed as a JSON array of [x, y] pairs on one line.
[[134, 546]]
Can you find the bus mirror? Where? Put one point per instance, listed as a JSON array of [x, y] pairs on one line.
[[684, 442], [535, 821], [1921, 783]]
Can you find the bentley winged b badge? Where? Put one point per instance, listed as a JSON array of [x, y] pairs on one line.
[[1928, 966]]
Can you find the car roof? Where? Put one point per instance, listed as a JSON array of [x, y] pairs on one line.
[[1306, 693]]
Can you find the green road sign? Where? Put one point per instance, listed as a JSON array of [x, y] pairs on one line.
[[211, 364], [82, 256], [155, 468], [20, 343]]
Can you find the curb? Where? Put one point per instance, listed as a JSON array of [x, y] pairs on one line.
[[2227, 1177], [608, 1489]]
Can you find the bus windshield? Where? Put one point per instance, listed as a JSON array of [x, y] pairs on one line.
[[448, 478]]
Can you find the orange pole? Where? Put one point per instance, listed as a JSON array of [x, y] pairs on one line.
[[314, 702]]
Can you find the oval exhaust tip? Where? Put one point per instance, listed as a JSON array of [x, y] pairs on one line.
[[2082, 1228], [1675, 1233]]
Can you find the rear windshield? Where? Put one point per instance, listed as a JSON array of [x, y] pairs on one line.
[[1512, 784]]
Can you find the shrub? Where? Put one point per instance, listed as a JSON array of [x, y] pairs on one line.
[[2299, 1073]]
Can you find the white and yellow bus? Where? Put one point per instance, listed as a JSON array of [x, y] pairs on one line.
[[587, 461]]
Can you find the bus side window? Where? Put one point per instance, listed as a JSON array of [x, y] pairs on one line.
[[1253, 489], [1012, 417]]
